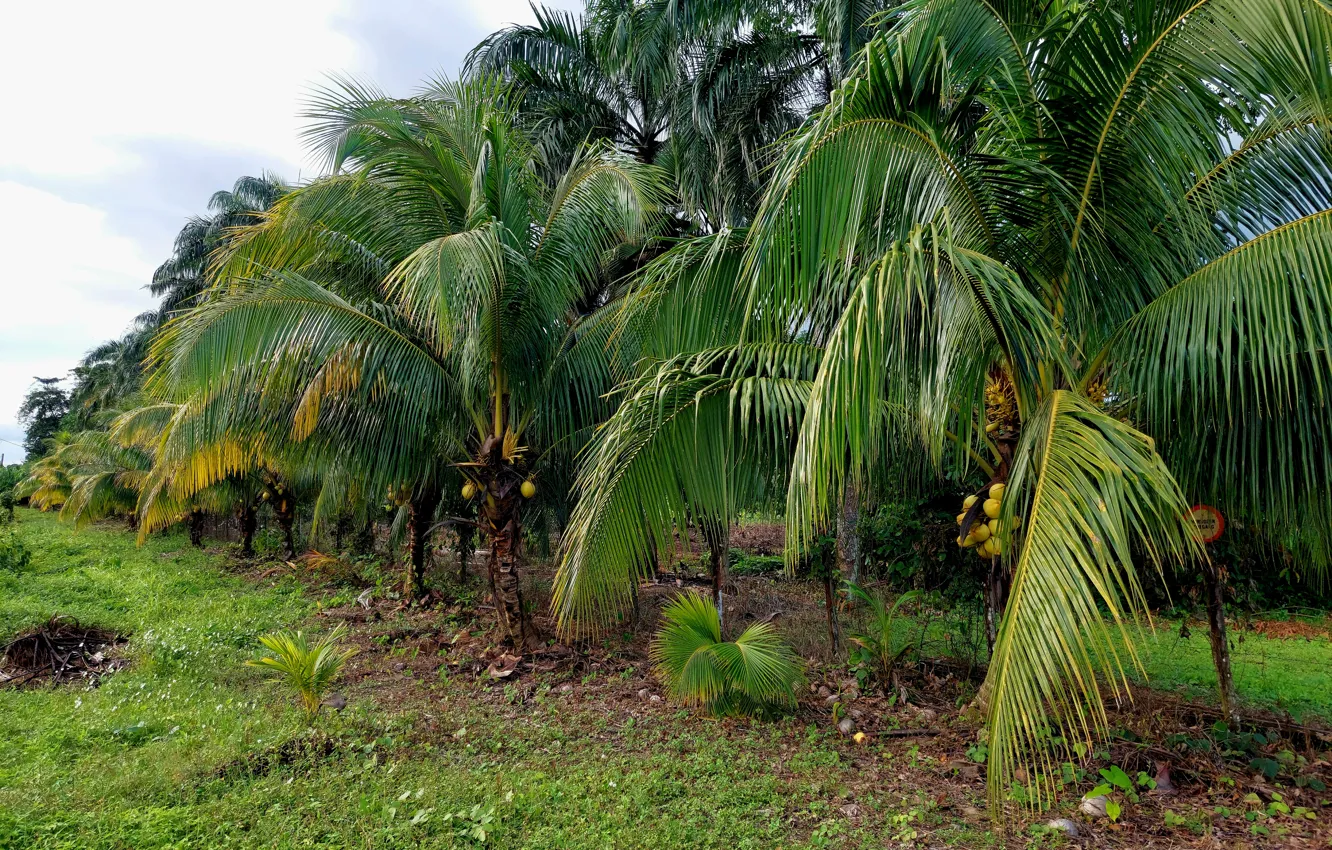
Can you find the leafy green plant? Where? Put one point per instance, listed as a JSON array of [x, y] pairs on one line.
[[472, 826], [310, 670], [877, 646], [14, 555], [756, 674]]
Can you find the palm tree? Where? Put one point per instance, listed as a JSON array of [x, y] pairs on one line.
[[417, 308], [1078, 249], [699, 88], [185, 276], [109, 375]]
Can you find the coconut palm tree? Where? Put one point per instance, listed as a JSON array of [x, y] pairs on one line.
[[417, 308], [1078, 249]]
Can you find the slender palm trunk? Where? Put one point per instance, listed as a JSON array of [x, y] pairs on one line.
[[466, 546], [284, 508], [848, 534], [996, 598], [718, 537], [363, 542], [830, 605], [196, 528], [422, 509], [1214, 587], [248, 518]]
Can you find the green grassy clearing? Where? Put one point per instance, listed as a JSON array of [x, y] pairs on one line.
[[134, 763], [177, 750]]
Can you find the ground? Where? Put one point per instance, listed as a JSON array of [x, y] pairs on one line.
[[186, 747]]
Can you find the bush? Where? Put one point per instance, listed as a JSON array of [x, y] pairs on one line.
[[757, 674], [910, 543], [14, 555]]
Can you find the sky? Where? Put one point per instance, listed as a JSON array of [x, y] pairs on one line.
[[125, 117]]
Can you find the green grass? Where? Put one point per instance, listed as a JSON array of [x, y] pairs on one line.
[[1289, 675], [135, 763]]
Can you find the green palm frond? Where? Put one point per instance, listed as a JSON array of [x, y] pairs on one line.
[[1090, 492], [1232, 368], [756, 674], [699, 436]]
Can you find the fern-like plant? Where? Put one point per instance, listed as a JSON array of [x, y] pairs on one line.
[[310, 670], [757, 674], [877, 644]]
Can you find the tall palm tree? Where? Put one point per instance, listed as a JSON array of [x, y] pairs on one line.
[[417, 308], [109, 375], [185, 276], [1079, 249], [699, 88]]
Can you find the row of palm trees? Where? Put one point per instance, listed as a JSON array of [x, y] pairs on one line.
[[668, 260]]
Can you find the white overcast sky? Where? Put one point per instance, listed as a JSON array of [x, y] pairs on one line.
[[125, 117]]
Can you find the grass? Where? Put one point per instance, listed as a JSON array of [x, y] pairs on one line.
[[189, 748], [1288, 675], [141, 762]]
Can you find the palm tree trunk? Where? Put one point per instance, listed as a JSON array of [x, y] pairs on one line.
[[196, 528], [249, 521], [830, 604], [718, 537], [465, 548], [501, 520], [363, 542], [284, 508], [1214, 587], [996, 598], [848, 534], [422, 515]]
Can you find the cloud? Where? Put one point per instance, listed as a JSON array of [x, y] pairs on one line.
[[130, 115], [68, 283]]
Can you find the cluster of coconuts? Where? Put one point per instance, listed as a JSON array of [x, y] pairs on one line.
[[469, 489], [983, 535]]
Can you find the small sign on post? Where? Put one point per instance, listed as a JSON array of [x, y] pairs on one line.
[[1209, 521]]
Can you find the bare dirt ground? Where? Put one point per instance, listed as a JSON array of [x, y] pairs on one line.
[[1262, 785]]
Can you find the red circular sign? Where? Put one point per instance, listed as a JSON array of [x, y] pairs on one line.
[[1209, 521]]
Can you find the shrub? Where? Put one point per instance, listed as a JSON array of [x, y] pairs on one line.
[[14, 555], [310, 670], [757, 674]]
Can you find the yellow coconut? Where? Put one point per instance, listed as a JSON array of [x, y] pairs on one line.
[[997, 491], [469, 490], [991, 508], [994, 526], [529, 489], [981, 532], [968, 502]]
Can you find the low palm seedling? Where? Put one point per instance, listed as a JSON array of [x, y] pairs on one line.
[[757, 674], [877, 646], [310, 670]]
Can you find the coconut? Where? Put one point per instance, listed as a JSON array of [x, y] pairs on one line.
[[981, 532], [469, 490], [528, 489], [991, 508], [997, 491], [968, 502]]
